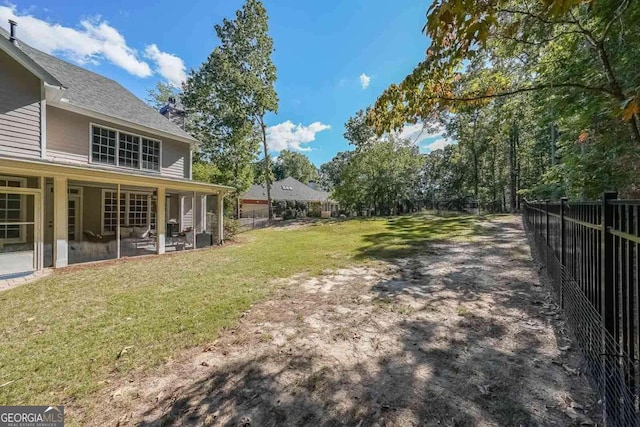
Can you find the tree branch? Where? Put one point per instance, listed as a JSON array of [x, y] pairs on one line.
[[621, 10], [599, 89], [537, 43]]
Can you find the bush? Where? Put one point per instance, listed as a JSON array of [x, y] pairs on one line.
[[231, 228], [290, 214]]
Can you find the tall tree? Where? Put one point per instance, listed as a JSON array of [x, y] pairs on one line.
[[228, 97], [380, 177], [295, 165]]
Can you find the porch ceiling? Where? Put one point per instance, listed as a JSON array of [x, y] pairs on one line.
[[16, 166]]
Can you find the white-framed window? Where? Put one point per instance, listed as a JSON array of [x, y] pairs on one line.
[[135, 210], [129, 150], [138, 213], [114, 147], [12, 209], [103, 145], [150, 154]]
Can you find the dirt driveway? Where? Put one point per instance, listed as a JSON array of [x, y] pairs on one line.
[[461, 334]]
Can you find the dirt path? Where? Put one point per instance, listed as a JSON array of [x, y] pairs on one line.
[[461, 335]]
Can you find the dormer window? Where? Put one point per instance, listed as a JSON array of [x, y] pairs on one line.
[[114, 147]]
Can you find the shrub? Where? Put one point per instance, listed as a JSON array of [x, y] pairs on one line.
[[231, 227]]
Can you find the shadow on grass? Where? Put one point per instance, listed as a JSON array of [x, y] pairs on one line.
[[410, 235], [457, 378]]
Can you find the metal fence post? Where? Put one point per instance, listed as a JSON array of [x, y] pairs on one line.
[[546, 212], [608, 308], [563, 255]]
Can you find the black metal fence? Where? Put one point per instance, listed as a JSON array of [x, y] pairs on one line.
[[254, 219], [592, 253]]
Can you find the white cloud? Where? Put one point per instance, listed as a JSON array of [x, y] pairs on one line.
[[364, 81], [288, 136], [418, 133], [169, 66], [91, 41], [439, 144]]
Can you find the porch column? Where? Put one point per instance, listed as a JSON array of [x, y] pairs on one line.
[[60, 222], [194, 213], [202, 211], [161, 220], [220, 218]]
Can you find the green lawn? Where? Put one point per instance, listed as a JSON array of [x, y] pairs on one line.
[[61, 337]]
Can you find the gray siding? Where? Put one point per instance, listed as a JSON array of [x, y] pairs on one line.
[[68, 140], [175, 159], [19, 110]]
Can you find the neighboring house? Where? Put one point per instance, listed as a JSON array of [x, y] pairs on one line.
[[254, 201], [88, 171]]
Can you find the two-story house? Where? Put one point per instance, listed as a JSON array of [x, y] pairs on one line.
[[88, 171]]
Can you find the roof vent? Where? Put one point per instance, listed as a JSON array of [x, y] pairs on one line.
[[12, 35]]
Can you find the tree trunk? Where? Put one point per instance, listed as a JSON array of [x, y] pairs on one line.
[[475, 156], [267, 168], [512, 169]]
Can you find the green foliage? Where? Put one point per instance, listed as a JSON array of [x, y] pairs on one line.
[[331, 172], [500, 75], [159, 96], [358, 132], [227, 97], [295, 165], [380, 177], [205, 172], [231, 227], [259, 169]]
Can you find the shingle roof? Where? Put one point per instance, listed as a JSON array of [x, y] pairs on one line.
[[91, 91], [286, 189]]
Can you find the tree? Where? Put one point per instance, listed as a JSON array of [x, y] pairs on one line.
[[576, 46], [259, 176], [295, 165], [159, 96], [205, 172], [247, 48], [358, 132], [330, 174], [228, 97], [555, 85], [380, 178]]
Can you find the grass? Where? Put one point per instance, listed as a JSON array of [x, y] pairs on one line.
[[64, 337]]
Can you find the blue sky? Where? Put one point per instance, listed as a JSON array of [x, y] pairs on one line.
[[333, 57]]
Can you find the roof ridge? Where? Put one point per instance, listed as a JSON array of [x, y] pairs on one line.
[[95, 92]]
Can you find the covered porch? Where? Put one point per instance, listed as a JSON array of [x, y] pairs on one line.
[[54, 215]]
